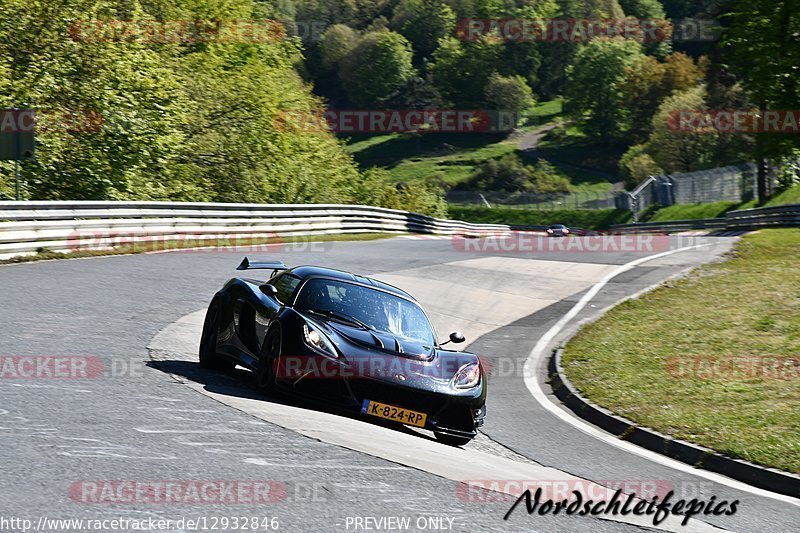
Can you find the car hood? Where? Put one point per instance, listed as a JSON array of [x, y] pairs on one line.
[[381, 356], [384, 342]]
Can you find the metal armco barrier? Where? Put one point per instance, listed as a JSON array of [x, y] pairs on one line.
[[55, 225], [760, 217], [764, 217]]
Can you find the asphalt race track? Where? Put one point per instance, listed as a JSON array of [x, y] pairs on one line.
[[154, 415]]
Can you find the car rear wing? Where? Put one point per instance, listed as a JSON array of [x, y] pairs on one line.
[[246, 264]]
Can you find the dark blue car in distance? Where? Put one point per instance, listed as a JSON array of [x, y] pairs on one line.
[[558, 230]]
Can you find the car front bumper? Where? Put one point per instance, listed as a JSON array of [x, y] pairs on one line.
[[459, 414]]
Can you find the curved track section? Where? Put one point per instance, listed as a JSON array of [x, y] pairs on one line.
[[133, 422]]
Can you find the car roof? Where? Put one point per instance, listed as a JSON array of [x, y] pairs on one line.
[[307, 271]]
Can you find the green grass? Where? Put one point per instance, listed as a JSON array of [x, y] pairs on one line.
[[591, 160], [748, 307], [692, 211], [453, 158], [581, 218], [789, 196], [714, 209], [544, 112], [364, 143], [138, 248], [436, 156]]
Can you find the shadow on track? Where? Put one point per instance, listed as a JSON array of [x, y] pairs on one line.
[[241, 384]]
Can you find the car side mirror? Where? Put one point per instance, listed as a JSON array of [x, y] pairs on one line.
[[456, 338], [269, 289]]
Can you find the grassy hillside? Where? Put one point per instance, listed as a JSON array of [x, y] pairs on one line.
[[789, 196], [691, 211], [450, 159], [716, 209]]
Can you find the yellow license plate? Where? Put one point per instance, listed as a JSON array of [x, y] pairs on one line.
[[391, 412]]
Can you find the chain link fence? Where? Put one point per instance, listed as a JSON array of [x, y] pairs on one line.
[[736, 183], [732, 184], [524, 200]]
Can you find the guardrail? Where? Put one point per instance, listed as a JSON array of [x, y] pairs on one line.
[[764, 217], [671, 226], [63, 226], [744, 219]]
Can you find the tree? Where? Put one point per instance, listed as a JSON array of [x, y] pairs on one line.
[[423, 23], [416, 93], [461, 70], [761, 39], [676, 150], [326, 11], [180, 120], [335, 44], [676, 9], [643, 91], [652, 13], [378, 65], [592, 9], [648, 82], [595, 92], [508, 93], [681, 73], [643, 9], [522, 58], [637, 165]]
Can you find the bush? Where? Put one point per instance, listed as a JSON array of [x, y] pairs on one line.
[[637, 165], [376, 189], [509, 93], [510, 174]]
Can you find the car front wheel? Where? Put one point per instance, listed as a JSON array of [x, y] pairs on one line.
[[209, 358], [271, 350]]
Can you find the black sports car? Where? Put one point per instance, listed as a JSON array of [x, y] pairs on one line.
[[353, 341]]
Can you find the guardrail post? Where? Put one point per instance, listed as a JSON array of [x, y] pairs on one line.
[[16, 179]]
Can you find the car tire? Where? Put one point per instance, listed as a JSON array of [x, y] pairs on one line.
[[270, 351], [451, 440], [209, 358]]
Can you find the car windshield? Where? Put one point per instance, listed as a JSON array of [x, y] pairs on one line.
[[375, 309]]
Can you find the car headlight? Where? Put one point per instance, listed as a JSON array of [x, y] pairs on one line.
[[317, 341], [467, 376]]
